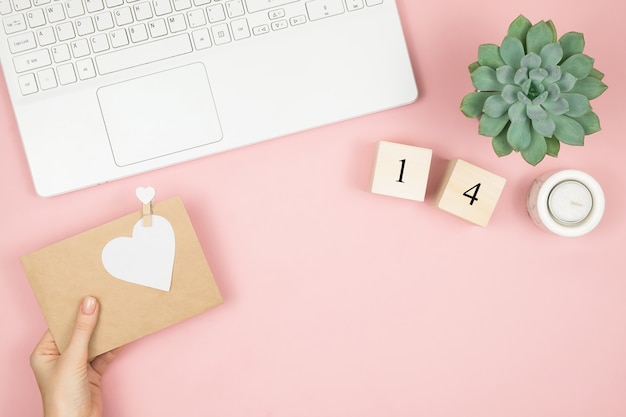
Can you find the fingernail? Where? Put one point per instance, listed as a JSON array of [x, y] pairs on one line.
[[89, 305]]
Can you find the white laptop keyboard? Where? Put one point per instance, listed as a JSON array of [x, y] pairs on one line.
[[61, 42]]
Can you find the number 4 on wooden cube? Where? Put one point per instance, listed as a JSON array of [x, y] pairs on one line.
[[401, 171], [469, 192]]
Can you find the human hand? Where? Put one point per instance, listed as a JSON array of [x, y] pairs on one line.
[[69, 382]]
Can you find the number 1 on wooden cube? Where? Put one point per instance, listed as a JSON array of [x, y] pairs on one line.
[[401, 171]]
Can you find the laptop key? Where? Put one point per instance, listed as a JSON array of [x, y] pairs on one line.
[[221, 34], [319, 9], [85, 69], [201, 38], [66, 74], [20, 5], [45, 36], [13, 24], [143, 54], [261, 30], [354, 5], [258, 5], [240, 28], [32, 60], [234, 8], [35, 18], [22, 42], [27, 83], [5, 7], [47, 80]]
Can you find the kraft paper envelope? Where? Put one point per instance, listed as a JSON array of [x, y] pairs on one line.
[[62, 274]]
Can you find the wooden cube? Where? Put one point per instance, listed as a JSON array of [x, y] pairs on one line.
[[469, 192], [401, 171]]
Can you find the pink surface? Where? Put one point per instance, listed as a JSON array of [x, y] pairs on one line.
[[339, 302]]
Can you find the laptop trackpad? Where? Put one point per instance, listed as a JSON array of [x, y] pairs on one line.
[[159, 114]]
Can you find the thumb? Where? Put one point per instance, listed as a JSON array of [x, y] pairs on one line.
[[86, 320]]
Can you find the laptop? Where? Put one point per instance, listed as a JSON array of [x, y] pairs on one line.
[[106, 89]]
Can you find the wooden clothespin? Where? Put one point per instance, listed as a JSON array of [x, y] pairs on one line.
[[146, 195], [147, 215]]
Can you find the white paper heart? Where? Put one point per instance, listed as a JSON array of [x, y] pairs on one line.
[[145, 259], [145, 194]]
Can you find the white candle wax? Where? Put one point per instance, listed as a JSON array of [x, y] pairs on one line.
[[567, 203], [570, 202]]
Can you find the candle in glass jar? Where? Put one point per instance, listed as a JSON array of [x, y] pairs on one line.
[[570, 202], [567, 203]]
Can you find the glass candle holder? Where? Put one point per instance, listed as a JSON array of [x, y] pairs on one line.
[[568, 203]]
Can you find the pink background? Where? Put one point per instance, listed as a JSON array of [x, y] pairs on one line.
[[339, 302]]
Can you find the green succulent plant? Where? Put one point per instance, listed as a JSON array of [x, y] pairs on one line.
[[533, 91]]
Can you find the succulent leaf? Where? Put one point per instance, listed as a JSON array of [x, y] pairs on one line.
[[517, 112], [522, 96], [590, 122], [556, 107], [578, 65], [540, 99], [538, 36], [554, 92], [489, 56], [572, 43], [484, 79], [473, 103], [590, 87], [491, 126], [531, 61], [473, 66], [538, 75], [550, 24], [568, 130], [495, 106], [551, 54], [578, 104], [536, 151], [512, 51], [567, 82], [505, 75], [518, 135], [545, 127], [510, 92], [596, 74], [519, 28], [554, 146], [554, 74], [536, 112], [521, 76], [500, 145]]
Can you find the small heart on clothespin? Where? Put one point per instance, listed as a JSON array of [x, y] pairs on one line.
[[145, 194]]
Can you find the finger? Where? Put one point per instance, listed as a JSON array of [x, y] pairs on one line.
[[102, 362], [86, 320], [45, 349], [45, 343]]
